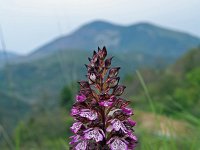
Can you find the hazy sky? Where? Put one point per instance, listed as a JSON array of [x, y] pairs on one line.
[[28, 24]]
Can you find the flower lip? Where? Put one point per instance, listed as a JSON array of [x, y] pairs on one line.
[[116, 143], [89, 114], [94, 133], [117, 125]]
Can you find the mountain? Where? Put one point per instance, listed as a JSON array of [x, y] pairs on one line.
[[7, 57], [45, 71], [144, 38]]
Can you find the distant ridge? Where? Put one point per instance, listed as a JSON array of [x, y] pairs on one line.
[[7, 54], [6, 57], [141, 37]]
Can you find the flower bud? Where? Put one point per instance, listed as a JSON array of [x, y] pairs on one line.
[[84, 84], [119, 90], [103, 53], [98, 80], [88, 68], [94, 53], [108, 62], [112, 82], [95, 57], [86, 91], [92, 77], [97, 62], [99, 49], [113, 72], [89, 59]]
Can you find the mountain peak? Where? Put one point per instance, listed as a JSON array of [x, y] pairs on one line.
[[99, 25]]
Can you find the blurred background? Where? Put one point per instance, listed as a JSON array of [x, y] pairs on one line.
[[45, 44]]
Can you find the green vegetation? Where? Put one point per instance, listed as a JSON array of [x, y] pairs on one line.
[[67, 95], [173, 91]]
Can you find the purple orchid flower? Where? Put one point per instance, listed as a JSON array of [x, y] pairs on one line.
[[75, 139], [127, 111], [102, 118], [81, 145], [80, 98], [117, 125], [96, 134], [74, 111], [117, 144], [89, 114], [76, 126]]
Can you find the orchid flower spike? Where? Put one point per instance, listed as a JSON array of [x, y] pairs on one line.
[[102, 119]]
